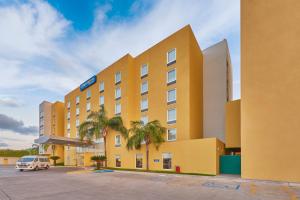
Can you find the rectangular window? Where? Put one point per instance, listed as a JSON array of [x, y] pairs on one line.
[[68, 104], [172, 134], [144, 87], [68, 125], [167, 160], [88, 94], [88, 106], [117, 77], [101, 86], [68, 133], [144, 119], [171, 56], [118, 108], [144, 70], [171, 116], [77, 99], [77, 122], [139, 160], [118, 93], [171, 96], [118, 161], [118, 141], [171, 76], [144, 104], [68, 115], [77, 111], [77, 133], [101, 99]]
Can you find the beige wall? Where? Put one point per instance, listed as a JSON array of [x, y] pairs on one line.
[[270, 74], [233, 124], [8, 160], [45, 118], [217, 83]]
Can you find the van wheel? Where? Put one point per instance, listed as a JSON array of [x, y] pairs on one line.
[[21, 170], [47, 167]]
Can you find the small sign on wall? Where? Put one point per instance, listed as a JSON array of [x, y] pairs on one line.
[[156, 160]]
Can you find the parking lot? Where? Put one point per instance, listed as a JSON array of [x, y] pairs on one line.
[[75, 183]]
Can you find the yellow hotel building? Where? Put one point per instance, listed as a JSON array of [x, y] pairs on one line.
[[165, 83]]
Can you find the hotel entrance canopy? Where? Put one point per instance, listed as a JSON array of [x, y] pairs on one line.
[[52, 139]]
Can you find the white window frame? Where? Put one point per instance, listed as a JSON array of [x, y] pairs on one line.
[[117, 113], [77, 111], [77, 122], [77, 99], [136, 155], [68, 115], [117, 144], [147, 120], [163, 160], [170, 81], [142, 73], [168, 61], [88, 106], [101, 96], [68, 126], [175, 95], [144, 100], [116, 77], [168, 120], [88, 94], [168, 134], [68, 104], [101, 84], [116, 93], [143, 83]]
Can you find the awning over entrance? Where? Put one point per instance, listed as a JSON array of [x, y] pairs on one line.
[[52, 139]]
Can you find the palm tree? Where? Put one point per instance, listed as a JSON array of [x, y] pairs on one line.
[[150, 133], [98, 125]]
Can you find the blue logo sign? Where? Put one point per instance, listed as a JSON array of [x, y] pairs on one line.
[[88, 83]]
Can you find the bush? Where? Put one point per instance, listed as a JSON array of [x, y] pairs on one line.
[[17, 153], [54, 158]]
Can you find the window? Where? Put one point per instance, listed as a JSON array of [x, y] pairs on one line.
[[171, 134], [144, 119], [139, 160], [118, 161], [68, 104], [171, 115], [77, 122], [101, 100], [118, 93], [68, 126], [117, 77], [171, 76], [68, 115], [88, 94], [77, 99], [77, 111], [144, 87], [144, 104], [171, 56], [88, 106], [171, 96], [118, 141], [77, 133], [68, 133], [144, 70], [101, 86], [167, 161], [118, 108]]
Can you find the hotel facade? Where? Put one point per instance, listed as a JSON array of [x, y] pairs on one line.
[[189, 91], [175, 82]]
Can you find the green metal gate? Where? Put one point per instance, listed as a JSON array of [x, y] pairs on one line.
[[230, 164]]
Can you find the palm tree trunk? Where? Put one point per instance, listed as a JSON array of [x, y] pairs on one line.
[[147, 157], [104, 139]]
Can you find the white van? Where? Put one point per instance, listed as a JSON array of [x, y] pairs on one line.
[[33, 163]]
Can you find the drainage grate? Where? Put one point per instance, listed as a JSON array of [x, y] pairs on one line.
[[227, 186]]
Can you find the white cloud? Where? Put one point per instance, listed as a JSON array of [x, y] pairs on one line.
[[16, 141], [36, 52]]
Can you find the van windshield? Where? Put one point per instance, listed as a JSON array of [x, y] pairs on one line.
[[26, 159]]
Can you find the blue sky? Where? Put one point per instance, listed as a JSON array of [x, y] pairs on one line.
[[48, 48]]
